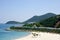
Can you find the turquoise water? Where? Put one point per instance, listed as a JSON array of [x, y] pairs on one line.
[[4, 26], [10, 35]]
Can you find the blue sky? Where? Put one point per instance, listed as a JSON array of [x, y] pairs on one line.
[[21, 10]]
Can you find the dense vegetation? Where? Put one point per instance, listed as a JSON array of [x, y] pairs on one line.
[[54, 30], [50, 22], [33, 25]]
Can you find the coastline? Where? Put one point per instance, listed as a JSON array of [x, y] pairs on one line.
[[41, 36]]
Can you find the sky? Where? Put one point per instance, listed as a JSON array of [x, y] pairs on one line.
[[22, 10]]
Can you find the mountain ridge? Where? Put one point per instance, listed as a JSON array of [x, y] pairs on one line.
[[33, 19], [40, 18]]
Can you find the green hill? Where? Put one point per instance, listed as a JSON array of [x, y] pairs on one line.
[[40, 18], [50, 22]]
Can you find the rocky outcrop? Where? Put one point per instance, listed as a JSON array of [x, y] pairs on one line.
[[57, 24]]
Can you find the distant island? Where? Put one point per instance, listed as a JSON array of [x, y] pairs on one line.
[[13, 22]]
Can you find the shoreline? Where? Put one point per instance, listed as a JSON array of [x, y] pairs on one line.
[[41, 36]]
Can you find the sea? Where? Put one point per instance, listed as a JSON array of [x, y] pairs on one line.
[[11, 35]]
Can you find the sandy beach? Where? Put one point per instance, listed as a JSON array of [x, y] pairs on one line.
[[41, 36]]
